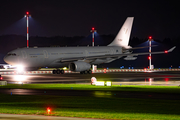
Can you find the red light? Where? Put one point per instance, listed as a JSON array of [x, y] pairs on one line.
[[149, 57], [1, 78], [93, 28], [104, 70], [27, 13], [150, 37], [165, 51], [48, 110], [166, 79]]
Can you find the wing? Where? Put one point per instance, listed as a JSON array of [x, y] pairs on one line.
[[114, 56]]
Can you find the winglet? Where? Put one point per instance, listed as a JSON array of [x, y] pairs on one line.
[[170, 50]]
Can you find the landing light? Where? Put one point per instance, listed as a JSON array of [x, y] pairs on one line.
[[64, 68], [20, 68]]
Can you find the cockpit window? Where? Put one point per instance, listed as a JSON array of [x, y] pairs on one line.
[[11, 54]]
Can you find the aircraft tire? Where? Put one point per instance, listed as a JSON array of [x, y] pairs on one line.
[[54, 71], [85, 72], [62, 71], [90, 71], [58, 71]]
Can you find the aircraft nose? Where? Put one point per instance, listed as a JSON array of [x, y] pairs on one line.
[[12, 60]]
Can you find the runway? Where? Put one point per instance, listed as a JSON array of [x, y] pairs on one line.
[[117, 78], [39, 117]]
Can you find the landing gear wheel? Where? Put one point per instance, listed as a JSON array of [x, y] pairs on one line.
[[58, 71], [62, 71], [90, 71], [54, 71], [85, 72]]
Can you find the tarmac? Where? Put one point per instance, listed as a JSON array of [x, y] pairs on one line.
[[39, 117]]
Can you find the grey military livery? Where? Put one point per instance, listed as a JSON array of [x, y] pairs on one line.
[[78, 59]]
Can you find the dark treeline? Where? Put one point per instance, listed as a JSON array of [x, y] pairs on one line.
[[11, 42]]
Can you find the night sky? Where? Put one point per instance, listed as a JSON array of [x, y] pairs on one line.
[[160, 19]]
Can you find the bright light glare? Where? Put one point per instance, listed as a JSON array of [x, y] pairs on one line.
[[99, 83], [20, 77], [20, 68], [64, 68], [108, 83], [48, 110]]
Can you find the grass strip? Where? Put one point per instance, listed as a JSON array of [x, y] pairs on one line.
[[92, 107], [137, 88]]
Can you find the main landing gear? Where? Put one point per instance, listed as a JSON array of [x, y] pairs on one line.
[[86, 72], [58, 71]]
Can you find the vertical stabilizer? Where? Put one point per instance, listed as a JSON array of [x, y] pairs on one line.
[[122, 38]]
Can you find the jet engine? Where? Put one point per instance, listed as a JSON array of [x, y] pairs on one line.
[[79, 66]]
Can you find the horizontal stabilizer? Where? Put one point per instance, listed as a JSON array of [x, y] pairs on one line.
[[139, 47], [170, 50]]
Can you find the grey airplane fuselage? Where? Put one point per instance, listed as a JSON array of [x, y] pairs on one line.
[[52, 56]]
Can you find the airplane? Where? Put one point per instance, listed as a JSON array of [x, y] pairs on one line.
[[78, 59]]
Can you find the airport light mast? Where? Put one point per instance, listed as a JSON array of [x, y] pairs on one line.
[[27, 16], [150, 39], [93, 30]]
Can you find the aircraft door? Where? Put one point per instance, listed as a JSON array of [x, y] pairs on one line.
[[45, 54], [86, 53], [24, 54], [112, 50]]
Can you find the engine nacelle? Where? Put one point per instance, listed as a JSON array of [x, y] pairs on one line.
[[79, 66], [130, 58]]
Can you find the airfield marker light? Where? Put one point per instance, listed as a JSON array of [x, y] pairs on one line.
[[48, 110], [108, 83], [93, 81], [149, 57], [166, 51], [104, 70], [100, 83]]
